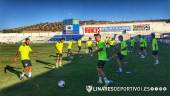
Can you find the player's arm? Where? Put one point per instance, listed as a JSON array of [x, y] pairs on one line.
[[16, 56], [141, 42], [125, 48], [99, 49], [56, 48]]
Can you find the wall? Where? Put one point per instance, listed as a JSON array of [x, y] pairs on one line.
[[135, 29]]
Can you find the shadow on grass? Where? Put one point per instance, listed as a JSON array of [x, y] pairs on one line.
[[44, 84], [12, 70], [44, 62]]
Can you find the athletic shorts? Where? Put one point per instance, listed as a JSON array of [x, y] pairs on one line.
[[120, 56], [132, 47], [154, 53], [59, 54], [113, 48], [69, 50], [100, 64], [26, 63], [142, 48], [79, 47], [90, 48]]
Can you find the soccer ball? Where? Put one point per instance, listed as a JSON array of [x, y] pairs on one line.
[[61, 83]]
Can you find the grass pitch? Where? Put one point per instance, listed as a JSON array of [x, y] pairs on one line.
[[81, 71]]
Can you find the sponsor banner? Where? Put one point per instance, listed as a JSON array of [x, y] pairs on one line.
[[141, 27], [107, 29], [92, 30], [115, 29]]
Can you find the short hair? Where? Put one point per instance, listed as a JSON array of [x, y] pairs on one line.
[[120, 36], [97, 35], [26, 39], [62, 39], [153, 35]]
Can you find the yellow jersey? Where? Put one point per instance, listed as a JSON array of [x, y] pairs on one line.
[[112, 42], [25, 51], [70, 43], [59, 47], [89, 43], [79, 42]]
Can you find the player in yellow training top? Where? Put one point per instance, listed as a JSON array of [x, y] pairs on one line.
[[69, 47], [89, 46], [79, 43], [24, 51], [59, 52]]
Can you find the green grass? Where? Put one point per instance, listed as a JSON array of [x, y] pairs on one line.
[[80, 72]]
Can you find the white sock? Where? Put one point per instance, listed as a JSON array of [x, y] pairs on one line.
[[100, 78], [60, 63], [22, 75], [29, 74], [157, 61], [120, 69], [105, 79], [56, 64]]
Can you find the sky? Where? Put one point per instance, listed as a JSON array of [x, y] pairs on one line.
[[18, 13]]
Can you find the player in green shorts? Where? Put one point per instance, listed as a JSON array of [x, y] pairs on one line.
[[102, 58], [155, 48], [122, 53]]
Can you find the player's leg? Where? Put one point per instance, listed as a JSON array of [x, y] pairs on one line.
[[79, 48], [142, 52], [69, 52], [29, 68], [119, 61], [155, 56], [24, 63], [145, 51], [60, 60], [131, 49], [98, 67], [99, 76], [29, 71], [91, 51], [23, 73], [100, 70], [104, 76], [57, 61]]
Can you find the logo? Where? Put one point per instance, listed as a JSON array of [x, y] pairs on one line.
[[89, 88]]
